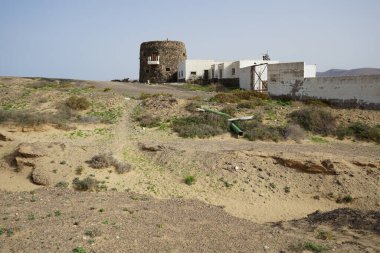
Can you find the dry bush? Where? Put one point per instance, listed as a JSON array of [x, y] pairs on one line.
[[122, 167], [26, 118], [78, 103], [192, 106], [107, 160], [86, 184], [250, 104], [229, 109], [101, 161], [202, 126], [147, 120], [294, 132], [256, 130], [315, 119], [144, 96]]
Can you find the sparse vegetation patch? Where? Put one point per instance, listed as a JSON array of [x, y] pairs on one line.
[[236, 96], [203, 125]]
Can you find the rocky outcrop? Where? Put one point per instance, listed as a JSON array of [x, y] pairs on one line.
[[30, 150], [325, 167], [4, 138]]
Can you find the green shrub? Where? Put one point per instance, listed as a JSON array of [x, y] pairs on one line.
[[342, 132], [315, 247], [189, 180], [283, 102], [79, 170], [62, 184], [202, 126], [78, 103], [360, 131], [79, 250], [315, 120], [365, 132], [345, 199]]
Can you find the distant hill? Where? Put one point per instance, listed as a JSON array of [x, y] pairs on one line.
[[351, 72]]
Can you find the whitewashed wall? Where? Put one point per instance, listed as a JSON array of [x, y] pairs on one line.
[[245, 75], [285, 80], [198, 66], [310, 71]]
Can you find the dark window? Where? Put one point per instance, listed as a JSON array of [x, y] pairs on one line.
[[233, 71], [147, 71], [167, 69], [193, 72], [184, 54]]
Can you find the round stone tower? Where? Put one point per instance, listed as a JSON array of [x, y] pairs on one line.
[[159, 60]]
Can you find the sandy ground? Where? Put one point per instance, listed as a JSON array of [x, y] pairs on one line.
[[242, 189]]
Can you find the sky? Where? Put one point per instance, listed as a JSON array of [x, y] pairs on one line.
[[100, 39]]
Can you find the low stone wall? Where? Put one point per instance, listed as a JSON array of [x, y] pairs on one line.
[[351, 91]]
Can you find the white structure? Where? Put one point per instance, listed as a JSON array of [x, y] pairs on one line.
[[254, 76], [292, 80], [190, 70], [310, 71]]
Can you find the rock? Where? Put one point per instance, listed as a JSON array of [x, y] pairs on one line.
[[22, 162], [327, 164], [311, 167], [4, 138], [28, 150], [152, 148], [40, 177]]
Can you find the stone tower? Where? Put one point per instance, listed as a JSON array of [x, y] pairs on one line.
[[159, 60]]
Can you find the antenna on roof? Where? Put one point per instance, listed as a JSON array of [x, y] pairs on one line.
[[266, 56]]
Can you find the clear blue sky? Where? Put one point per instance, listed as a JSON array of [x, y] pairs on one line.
[[99, 39]]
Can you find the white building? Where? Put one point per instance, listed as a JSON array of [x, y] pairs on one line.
[[254, 75], [243, 74], [190, 70]]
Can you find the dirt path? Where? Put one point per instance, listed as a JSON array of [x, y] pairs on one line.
[[126, 222]]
